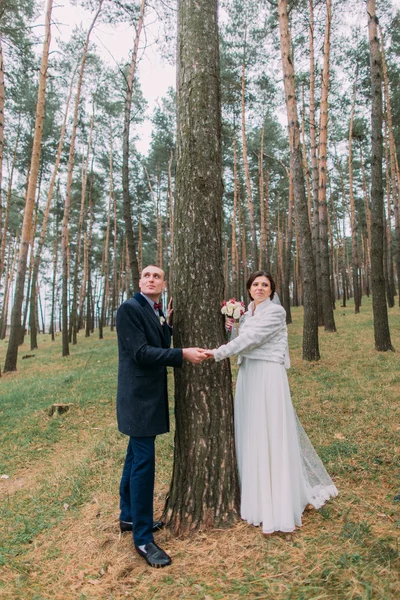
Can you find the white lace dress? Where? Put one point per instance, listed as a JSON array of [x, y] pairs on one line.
[[279, 470]]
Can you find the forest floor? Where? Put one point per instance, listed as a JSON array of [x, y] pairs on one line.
[[60, 537]]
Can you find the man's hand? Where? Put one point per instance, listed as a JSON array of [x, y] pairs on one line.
[[194, 355], [170, 313]]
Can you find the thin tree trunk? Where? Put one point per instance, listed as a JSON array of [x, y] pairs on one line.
[[2, 100], [26, 235], [393, 157], [353, 219], [381, 323], [67, 205], [305, 159], [390, 287], [262, 206], [171, 224], [310, 329], [33, 303], [134, 268], [85, 165], [367, 209], [314, 169], [12, 254], [250, 202], [235, 254], [8, 201], [325, 279], [288, 254]]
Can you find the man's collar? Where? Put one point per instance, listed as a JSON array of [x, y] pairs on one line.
[[149, 300]]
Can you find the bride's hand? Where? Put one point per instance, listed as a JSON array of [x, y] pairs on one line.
[[229, 321], [208, 353]]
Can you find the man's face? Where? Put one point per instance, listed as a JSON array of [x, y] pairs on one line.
[[152, 282]]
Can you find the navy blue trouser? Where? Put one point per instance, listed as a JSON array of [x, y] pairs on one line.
[[137, 488]]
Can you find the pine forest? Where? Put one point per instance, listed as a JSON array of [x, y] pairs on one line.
[[310, 137]]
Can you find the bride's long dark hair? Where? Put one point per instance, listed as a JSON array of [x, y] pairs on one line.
[[254, 276]]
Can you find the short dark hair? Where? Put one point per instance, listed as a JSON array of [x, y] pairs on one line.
[[254, 276]]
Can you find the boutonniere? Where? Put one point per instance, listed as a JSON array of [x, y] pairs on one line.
[[162, 320]]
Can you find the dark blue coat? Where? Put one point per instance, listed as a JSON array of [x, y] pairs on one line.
[[144, 353]]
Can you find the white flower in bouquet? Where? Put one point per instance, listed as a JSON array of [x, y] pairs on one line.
[[237, 313]]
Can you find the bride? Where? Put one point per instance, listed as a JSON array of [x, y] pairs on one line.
[[279, 470]]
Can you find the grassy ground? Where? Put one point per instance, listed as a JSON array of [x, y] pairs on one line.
[[59, 506]]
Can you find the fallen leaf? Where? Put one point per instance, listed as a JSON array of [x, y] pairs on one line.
[[339, 436], [4, 477], [93, 581], [66, 506]]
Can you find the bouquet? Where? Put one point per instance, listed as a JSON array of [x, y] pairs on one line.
[[233, 308]]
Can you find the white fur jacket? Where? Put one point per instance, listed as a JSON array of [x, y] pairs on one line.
[[262, 335]]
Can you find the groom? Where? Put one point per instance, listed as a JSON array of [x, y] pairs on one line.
[[144, 339]]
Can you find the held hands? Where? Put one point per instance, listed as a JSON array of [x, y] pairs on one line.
[[196, 355]]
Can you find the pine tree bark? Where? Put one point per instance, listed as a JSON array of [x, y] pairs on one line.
[[310, 328], [134, 267], [314, 169], [2, 101], [325, 276], [390, 287], [12, 350], [379, 307], [204, 487], [288, 254], [8, 200], [393, 159]]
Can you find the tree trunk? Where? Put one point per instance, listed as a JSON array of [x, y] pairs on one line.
[[235, 254], [171, 225], [314, 171], [381, 323], [3, 242], [367, 209], [2, 100], [85, 165], [12, 254], [288, 254], [12, 350], [353, 219], [134, 267], [390, 287], [67, 205], [393, 159], [310, 329], [262, 206], [325, 279], [33, 300], [250, 202], [204, 487]]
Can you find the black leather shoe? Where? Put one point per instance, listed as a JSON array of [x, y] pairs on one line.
[[126, 526], [154, 555]]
